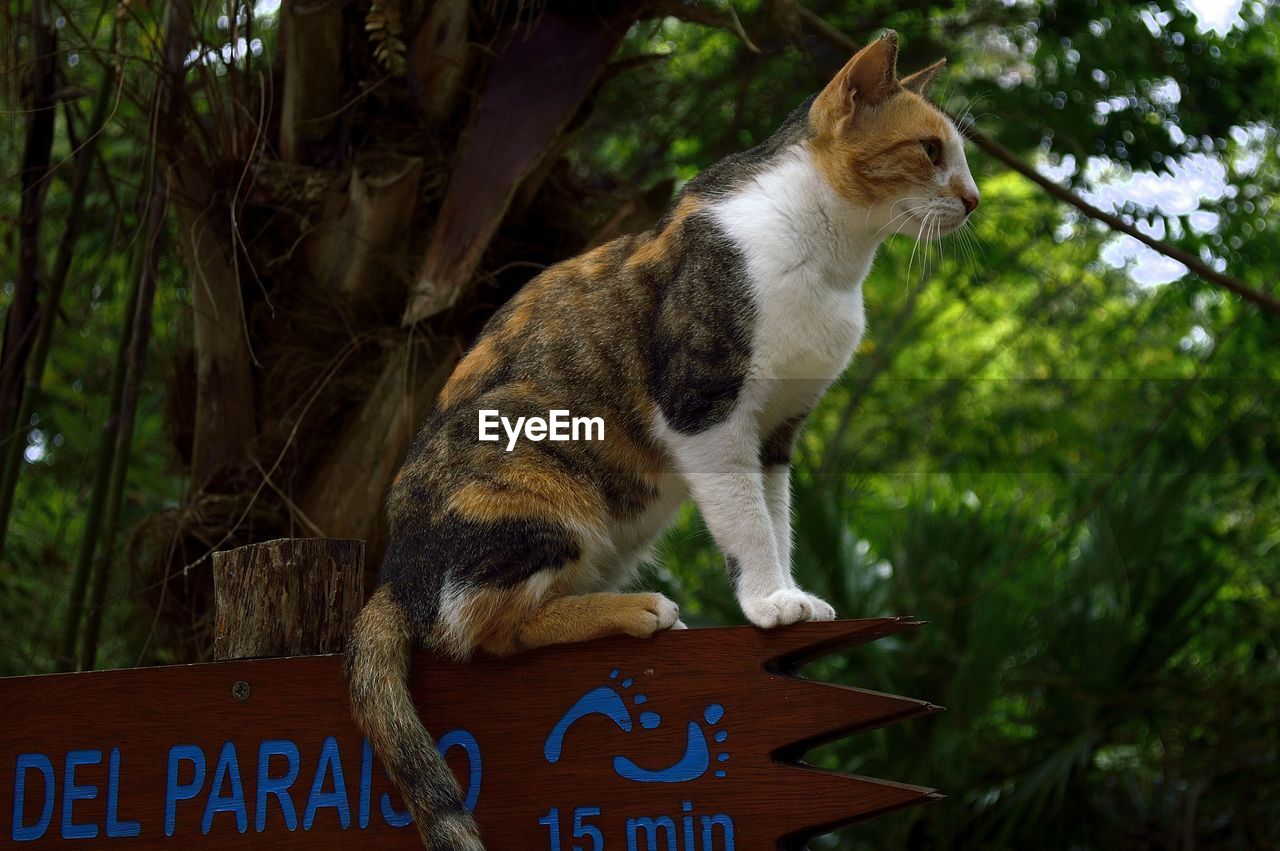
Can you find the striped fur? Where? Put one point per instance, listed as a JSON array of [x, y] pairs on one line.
[[377, 672]]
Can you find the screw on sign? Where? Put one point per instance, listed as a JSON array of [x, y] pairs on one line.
[[687, 741]]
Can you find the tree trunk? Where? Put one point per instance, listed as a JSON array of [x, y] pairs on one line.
[[346, 497], [366, 227], [288, 597], [134, 354], [514, 127], [21, 319], [312, 44], [303, 258], [224, 419], [441, 57]]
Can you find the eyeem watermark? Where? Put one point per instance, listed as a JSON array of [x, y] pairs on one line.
[[558, 426]]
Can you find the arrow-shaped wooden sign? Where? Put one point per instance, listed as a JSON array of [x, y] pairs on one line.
[[683, 742]]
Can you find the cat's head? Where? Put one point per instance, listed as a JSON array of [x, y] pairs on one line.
[[883, 146]]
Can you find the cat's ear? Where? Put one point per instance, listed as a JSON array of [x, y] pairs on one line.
[[869, 78], [920, 81]]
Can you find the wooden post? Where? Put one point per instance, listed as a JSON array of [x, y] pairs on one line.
[[288, 597]]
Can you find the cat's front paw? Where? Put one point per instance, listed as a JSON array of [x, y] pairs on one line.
[[650, 613], [790, 605]]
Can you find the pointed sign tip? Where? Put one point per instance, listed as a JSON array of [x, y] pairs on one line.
[[821, 801], [820, 712], [793, 646]]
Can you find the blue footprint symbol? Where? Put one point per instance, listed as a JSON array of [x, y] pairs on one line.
[[697, 755], [609, 702], [601, 700]]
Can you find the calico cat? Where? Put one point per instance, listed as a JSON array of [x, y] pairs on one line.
[[703, 344]]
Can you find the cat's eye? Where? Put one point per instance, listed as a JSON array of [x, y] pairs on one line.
[[932, 150]]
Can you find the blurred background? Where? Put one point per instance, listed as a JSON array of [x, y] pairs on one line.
[[244, 243]]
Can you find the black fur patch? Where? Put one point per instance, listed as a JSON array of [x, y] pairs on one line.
[[626, 494], [415, 582], [700, 345], [500, 554], [733, 570], [778, 446]]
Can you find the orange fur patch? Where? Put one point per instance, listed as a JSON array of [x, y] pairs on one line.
[[620, 450], [660, 247], [523, 309], [561, 494], [530, 491], [493, 617], [477, 362], [871, 154], [593, 265], [503, 621], [585, 617]]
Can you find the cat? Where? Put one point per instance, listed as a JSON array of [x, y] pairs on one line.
[[703, 344]]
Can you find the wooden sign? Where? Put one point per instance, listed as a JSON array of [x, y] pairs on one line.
[[689, 741]]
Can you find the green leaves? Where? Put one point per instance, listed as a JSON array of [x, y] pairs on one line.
[[383, 24], [1052, 466], [1072, 476]]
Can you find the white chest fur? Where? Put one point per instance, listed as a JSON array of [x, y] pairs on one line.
[[806, 265]]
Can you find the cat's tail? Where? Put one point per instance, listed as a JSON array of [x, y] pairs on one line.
[[377, 674]]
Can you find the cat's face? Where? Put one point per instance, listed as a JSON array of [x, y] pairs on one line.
[[882, 146]]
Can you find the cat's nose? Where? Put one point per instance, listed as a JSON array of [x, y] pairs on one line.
[[970, 201]]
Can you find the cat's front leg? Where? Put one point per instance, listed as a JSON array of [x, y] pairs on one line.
[[723, 469], [777, 495], [777, 484], [775, 461]]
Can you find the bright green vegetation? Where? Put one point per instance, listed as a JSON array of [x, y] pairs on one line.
[[1070, 471]]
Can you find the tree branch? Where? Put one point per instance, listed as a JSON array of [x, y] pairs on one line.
[[708, 16], [990, 146]]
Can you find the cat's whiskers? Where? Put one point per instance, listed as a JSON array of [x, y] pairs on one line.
[[930, 243], [934, 244], [980, 245], [915, 245], [942, 247], [910, 211], [908, 198], [942, 243], [971, 233], [964, 251], [966, 118], [967, 242], [920, 232]]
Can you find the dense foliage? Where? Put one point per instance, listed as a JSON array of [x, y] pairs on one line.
[[1054, 446]]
